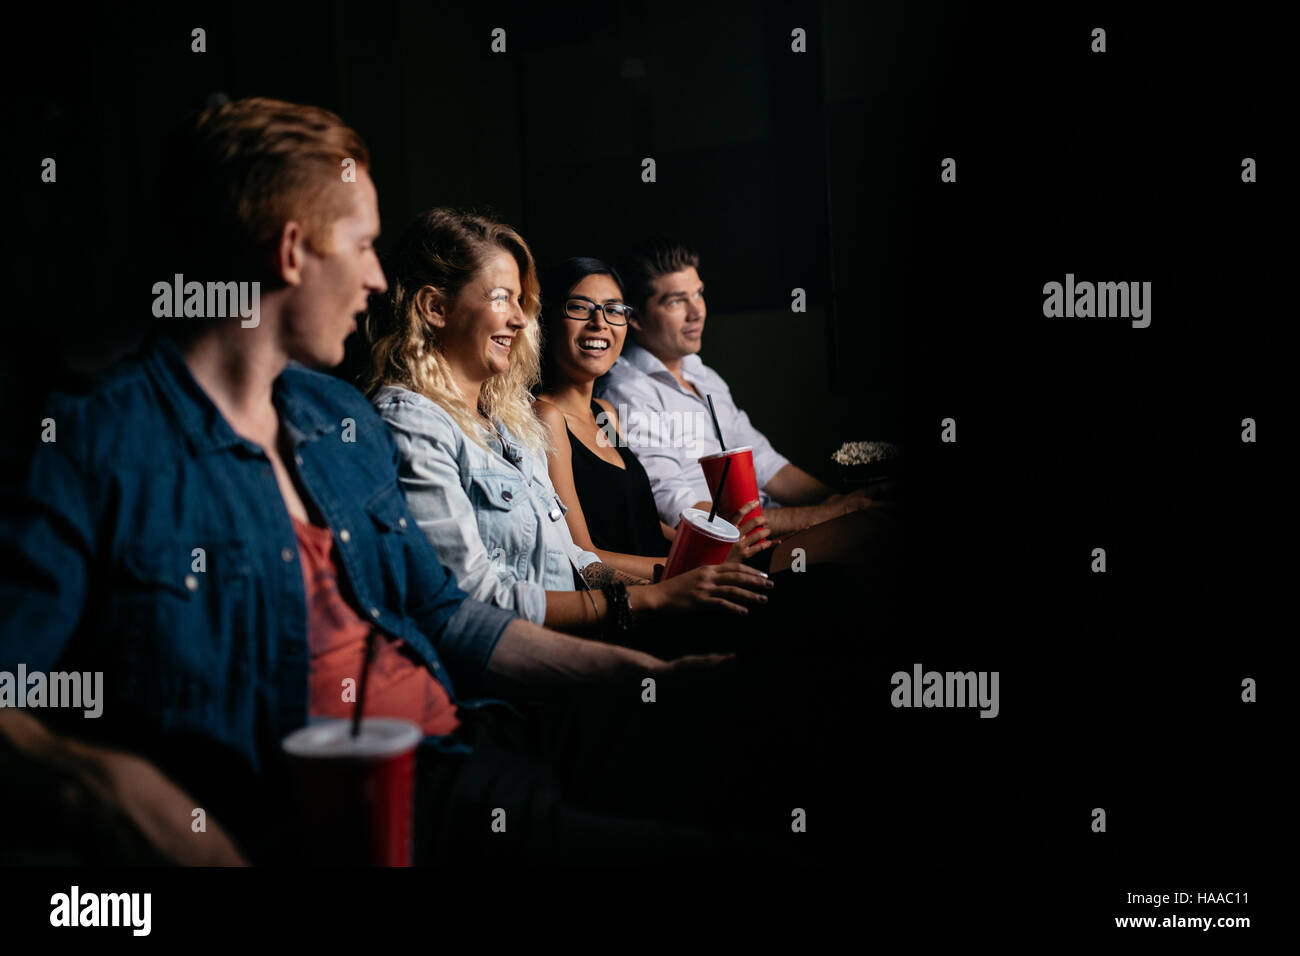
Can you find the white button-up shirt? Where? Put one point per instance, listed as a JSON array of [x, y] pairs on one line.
[[492, 516], [668, 427]]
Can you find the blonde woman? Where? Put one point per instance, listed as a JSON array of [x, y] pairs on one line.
[[456, 346]]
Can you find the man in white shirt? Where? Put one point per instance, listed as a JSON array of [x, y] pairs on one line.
[[659, 387]]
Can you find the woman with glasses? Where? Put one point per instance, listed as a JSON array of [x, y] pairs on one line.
[[455, 349], [612, 508]]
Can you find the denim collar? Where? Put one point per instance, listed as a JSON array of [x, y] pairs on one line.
[[303, 415], [512, 450], [204, 427]]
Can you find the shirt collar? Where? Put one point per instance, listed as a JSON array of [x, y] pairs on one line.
[[645, 361], [301, 415]]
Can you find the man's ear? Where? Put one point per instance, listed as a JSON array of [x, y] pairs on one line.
[[633, 321], [432, 306], [290, 252]]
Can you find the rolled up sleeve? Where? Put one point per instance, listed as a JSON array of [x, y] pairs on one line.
[[469, 639]]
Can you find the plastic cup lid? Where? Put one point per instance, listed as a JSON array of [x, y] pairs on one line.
[[332, 738], [718, 529]]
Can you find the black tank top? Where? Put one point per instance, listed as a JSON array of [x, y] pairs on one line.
[[617, 502]]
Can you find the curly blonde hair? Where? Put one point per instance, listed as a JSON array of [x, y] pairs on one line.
[[444, 248]]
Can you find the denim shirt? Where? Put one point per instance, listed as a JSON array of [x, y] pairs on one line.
[[150, 542], [492, 514]]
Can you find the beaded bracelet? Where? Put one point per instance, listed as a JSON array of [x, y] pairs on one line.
[[619, 618]]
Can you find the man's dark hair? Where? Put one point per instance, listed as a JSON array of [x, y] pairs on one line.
[[647, 261]]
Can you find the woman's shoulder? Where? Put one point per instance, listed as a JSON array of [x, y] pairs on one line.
[[410, 411], [549, 413], [552, 417]]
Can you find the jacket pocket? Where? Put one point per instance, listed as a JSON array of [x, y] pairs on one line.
[[182, 628], [494, 492], [505, 522], [388, 510]]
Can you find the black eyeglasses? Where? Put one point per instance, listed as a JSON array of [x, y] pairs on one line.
[[616, 313]]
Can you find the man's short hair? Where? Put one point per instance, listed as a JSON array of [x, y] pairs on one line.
[[647, 261], [237, 172]]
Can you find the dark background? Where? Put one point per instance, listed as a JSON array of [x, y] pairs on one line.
[[781, 168], [1120, 690], [821, 170]]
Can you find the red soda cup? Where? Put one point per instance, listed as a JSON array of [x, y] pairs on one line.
[[355, 794], [699, 541], [742, 483]]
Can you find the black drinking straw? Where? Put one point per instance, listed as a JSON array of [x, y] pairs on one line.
[[714, 416], [722, 481], [361, 690]]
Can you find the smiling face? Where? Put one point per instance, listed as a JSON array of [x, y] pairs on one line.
[[671, 326], [335, 283], [482, 322], [582, 351]]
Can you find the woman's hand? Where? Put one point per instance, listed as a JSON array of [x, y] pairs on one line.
[[730, 586], [753, 534]]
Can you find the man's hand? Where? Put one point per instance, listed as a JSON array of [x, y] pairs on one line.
[[754, 533], [855, 500], [785, 521], [121, 792], [535, 661], [693, 664], [163, 813]]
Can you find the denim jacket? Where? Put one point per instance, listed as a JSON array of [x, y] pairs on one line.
[[150, 542], [492, 515]]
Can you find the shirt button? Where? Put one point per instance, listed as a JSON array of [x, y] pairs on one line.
[[374, 612], [345, 536], [506, 495], [287, 555], [297, 459], [401, 522], [191, 582]]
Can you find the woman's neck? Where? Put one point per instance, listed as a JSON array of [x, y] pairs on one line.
[[470, 386], [572, 398]]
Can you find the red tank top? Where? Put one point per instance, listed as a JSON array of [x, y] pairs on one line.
[[398, 684]]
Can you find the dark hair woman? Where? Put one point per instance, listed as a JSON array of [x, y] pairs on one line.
[[613, 514]]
